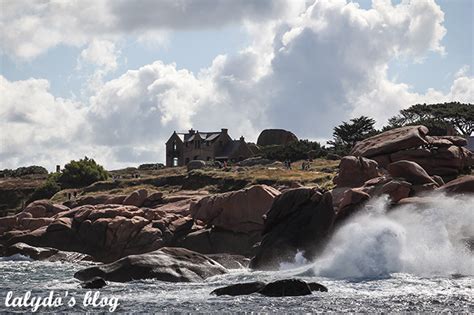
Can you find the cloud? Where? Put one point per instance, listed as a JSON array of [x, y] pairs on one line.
[[30, 28], [37, 128], [304, 71]]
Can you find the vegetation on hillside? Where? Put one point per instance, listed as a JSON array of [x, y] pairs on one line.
[[23, 171], [294, 151], [81, 173]]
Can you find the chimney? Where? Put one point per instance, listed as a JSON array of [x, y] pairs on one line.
[[224, 130], [242, 139], [58, 168], [191, 131]]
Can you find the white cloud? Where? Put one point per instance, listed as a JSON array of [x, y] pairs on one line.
[[304, 72], [37, 128], [30, 28]]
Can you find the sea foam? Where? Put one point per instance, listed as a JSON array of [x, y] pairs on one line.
[[425, 242]]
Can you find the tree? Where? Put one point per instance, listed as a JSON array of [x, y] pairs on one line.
[[348, 134], [439, 118], [294, 151], [81, 173]]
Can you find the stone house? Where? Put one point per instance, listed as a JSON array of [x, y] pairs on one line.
[[207, 146]]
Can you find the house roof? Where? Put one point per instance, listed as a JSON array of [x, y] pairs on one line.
[[206, 136]]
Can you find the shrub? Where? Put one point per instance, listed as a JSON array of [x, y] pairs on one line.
[[22, 171], [81, 173], [47, 190]]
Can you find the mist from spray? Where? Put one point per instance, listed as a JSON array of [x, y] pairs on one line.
[[424, 241]]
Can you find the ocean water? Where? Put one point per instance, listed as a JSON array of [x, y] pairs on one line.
[[408, 260]]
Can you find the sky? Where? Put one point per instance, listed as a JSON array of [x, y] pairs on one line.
[[112, 79]]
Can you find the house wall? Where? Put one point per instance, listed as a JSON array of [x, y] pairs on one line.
[[174, 149], [243, 152]]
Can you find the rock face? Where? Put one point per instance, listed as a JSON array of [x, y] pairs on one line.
[[299, 220], [166, 264], [275, 137], [355, 171], [236, 211], [444, 155], [461, 185], [195, 165]]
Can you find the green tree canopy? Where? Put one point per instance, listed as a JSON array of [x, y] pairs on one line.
[[81, 173], [294, 151], [439, 118], [346, 135]]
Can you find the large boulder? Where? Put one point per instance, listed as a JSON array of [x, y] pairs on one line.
[[196, 165], [275, 137], [461, 185], [410, 171], [237, 211], [136, 198], [299, 220], [391, 141], [240, 289], [355, 171], [44, 209], [166, 264]]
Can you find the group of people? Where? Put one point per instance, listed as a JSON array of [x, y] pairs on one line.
[[305, 166]]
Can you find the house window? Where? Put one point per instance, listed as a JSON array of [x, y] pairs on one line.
[[174, 146], [208, 158], [175, 162], [207, 143], [187, 160]]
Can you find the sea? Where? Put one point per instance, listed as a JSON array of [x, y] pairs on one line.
[[412, 259]]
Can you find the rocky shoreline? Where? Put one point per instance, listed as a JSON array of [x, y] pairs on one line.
[[190, 235]]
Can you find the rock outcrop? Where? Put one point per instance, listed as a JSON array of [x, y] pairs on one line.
[[275, 137], [299, 220], [105, 231], [443, 155], [166, 264], [236, 211]]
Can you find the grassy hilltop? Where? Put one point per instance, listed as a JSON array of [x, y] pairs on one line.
[[16, 192]]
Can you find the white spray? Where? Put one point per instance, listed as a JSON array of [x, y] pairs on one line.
[[424, 242]]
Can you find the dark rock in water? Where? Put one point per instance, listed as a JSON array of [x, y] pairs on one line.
[[231, 261], [95, 283], [314, 286], [240, 289], [287, 287], [299, 220], [45, 253], [166, 264]]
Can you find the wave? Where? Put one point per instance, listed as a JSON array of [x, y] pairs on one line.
[[16, 257], [379, 242]]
